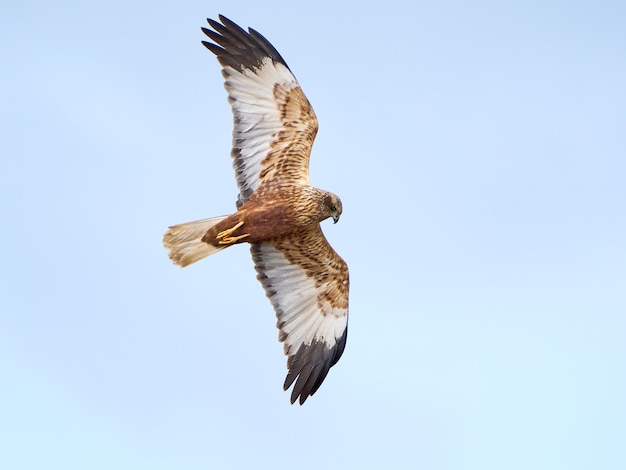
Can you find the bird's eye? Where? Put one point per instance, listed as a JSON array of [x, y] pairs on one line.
[[333, 207]]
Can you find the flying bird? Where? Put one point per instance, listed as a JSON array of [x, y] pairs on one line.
[[278, 211]]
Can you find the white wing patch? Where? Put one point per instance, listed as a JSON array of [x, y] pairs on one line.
[[256, 118]]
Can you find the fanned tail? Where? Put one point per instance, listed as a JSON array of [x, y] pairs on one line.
[[184, 241]]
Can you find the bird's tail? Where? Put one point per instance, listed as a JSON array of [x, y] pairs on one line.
[[184, 241]]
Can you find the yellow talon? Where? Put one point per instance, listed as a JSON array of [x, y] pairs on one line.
[[224, 238], [229, 240], [229, 231]]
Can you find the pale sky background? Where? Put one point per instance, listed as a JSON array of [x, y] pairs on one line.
[[479, 149]]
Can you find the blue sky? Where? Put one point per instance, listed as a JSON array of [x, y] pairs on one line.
[[479, 151]]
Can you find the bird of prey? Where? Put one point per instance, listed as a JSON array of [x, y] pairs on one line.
[[278, 211]]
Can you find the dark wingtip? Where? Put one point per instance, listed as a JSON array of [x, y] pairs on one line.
[[237, 47], [309, 366]]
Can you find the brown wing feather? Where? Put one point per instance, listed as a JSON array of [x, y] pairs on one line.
[[288, 159], [307, 283]]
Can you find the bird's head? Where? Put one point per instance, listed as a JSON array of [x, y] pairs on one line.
[[332, 207]]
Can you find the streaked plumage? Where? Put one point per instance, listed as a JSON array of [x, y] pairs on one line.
[[278, 211]]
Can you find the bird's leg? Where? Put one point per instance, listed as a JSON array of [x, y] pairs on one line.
[[224, 237]]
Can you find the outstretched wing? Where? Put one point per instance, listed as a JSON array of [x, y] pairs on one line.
[[274, 124], [307, 283]]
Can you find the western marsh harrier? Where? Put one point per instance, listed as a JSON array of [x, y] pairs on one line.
[[278, 211]]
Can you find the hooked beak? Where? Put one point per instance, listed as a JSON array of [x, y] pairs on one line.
[[335, 218]]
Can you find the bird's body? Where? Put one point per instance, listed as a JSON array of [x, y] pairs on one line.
[[278, 211]]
